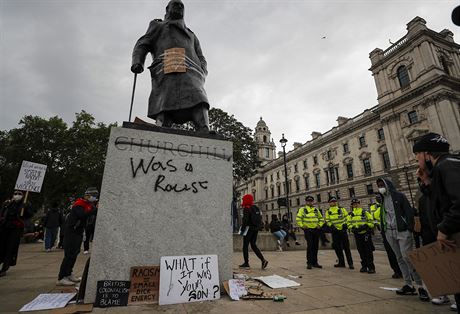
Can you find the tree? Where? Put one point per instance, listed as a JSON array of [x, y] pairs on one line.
[[245, 160]]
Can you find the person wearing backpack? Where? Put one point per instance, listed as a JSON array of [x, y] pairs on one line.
[[252, 221]]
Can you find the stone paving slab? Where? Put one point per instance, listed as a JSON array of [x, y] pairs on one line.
[[327, 290]]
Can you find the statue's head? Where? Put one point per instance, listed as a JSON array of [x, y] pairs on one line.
[[175, 10]]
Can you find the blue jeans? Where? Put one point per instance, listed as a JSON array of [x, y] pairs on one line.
[[280, 234], [50, 237]]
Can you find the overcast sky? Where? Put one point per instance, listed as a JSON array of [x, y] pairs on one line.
[[265, 57]]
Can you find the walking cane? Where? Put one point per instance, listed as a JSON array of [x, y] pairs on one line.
[[132, 97]]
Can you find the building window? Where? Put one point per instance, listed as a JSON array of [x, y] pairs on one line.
[[380, 134], [318, 198], [403, 76], [337, 174], [412, 116], [295, 168], [266, 194], [318, 179], [278, 188], [298, 201], [290, 202], [267, 153], [346, 148], [272, 190], [254, 195], [362, 141], [337, 194], [351, 192], [305, 165], [315, 160], [307, 183], [266, 207], [297, 186], [367, 167], [265, 139], [350, 171], [273, 206], [386, 161], [332, 175], [277, 175], [369, 189], [265, 180], [271, 177], [329, 155]]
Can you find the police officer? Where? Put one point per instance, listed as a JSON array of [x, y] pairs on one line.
[[336, 220], [310, 220], [360, 222]]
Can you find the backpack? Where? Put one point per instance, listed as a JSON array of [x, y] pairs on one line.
[[256, 216]]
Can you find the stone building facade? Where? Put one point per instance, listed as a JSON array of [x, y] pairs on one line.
[[418, 86]]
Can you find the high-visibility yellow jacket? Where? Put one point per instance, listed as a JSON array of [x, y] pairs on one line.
[[309, 218], [360, 221], [375, 212], [336, 217]]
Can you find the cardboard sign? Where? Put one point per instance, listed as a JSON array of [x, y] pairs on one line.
[[439, 269], [174, 61], [30, 177], [48, 301], [112, 293], [145, 286], [189, 279]]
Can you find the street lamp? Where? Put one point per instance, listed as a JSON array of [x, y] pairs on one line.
[[283, 142], [406, 169]]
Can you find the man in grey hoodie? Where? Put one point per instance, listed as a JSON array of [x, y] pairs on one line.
[[397, 221]]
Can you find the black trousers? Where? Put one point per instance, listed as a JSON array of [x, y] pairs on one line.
[[89, 233], [341, 243], [290, 234], [312, 237], [364, 246], [391, 255], [72, 244], [9, 245], [251, 238]]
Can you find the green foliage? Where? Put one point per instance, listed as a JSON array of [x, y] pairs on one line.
[[245, 160], [74, 156]]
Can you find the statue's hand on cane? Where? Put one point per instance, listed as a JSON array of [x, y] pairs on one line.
[[137, 68]]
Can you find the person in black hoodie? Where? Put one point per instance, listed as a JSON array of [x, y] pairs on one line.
[[13, 213], [397, 222], [73, 235], [443, 170], [52, 222], [252, 221]]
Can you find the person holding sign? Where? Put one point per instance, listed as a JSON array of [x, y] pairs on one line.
[[252, 221], [443, 170], [12, 215], [73, 235]]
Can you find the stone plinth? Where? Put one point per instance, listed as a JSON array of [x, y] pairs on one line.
[[163, 194]]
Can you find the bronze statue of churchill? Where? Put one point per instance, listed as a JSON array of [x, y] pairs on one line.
[[178, 70]]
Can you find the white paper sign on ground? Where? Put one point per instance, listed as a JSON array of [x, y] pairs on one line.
[[30, 177], [189, 279], [276, 281], [48, 301], [237, 288]]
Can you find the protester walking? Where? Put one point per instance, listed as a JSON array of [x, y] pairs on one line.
[[252, 222], [336, 220], [397, 221], [12, 215], [310, 220], [73, 235], [441, 171], [52, 222], [375, 210]]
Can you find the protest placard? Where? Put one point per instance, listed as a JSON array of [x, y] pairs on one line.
[[48, 301], [30, 177], [439, 268], [112, 293], [189, 279], [145, 285]]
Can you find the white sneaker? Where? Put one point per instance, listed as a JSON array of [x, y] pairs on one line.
[[64, 282], [453, 307], [444, 299], [86, 252], [280, 249], [73, 278]]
